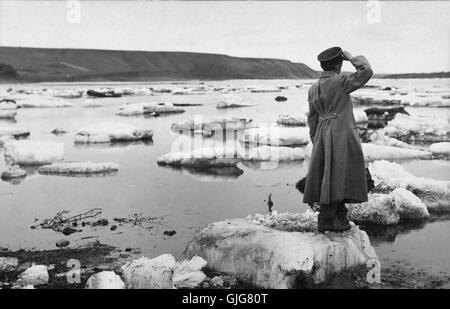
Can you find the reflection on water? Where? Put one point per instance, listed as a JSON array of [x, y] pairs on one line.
[[209, 173]]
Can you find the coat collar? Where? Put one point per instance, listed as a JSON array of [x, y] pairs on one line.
[[326, 74]]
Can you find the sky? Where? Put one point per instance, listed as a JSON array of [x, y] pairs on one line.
[[396, 37]]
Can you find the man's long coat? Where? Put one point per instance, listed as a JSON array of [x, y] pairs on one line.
[[336, 172]]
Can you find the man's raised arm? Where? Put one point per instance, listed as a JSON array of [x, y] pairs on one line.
[[362, 75]]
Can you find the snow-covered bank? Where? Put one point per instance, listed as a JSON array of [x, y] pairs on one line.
[[111, 132], [269, 258]]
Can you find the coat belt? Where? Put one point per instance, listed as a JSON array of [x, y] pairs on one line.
[[327, 116]]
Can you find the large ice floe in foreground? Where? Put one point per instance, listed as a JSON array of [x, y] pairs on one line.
[[163, 272], [28, 152], [230, 156], [276, 136], [418, 129], [111, 132], [280, 250], [388, 176], [78, 168]]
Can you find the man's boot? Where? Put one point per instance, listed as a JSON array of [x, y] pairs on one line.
[[342, 223], [327, 217]]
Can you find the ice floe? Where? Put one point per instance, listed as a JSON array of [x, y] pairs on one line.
[[105, 280], [418, 129], [43, 103], [241, 248], [29, 152], [163, 272], [111, 132], [209, 125], [292, 120], [440, 149], [276, 136], [232, 102], [78, 168], [388, 176]]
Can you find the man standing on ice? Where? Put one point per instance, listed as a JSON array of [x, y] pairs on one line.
[[336, 173]]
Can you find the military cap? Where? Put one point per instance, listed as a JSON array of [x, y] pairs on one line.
[[331, 54]]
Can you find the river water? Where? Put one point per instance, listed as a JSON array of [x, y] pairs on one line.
[[186, 200]]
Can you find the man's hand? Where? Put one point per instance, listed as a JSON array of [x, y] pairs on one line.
[[347, 55]]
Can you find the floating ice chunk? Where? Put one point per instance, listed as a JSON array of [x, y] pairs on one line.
[[295, 257], [68, 94], [276, 136], [111, 132], [8, 264], [440, 149], [35, 275], [294, 120], [360, 116], [145, 273], [219, 124], [8, 114], [257, 89], [202, 157], [388, 176], [7, 105], [13, 172], [379, 138], [162, 109], [14, 131], [43, 103], [275, 154], [232, 102], [408, 205], [379, 209], [78, 168], [423, 129], [133, 109], [105, 280], [374, 152], [27, 152], [230, 156], [188, 274]]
